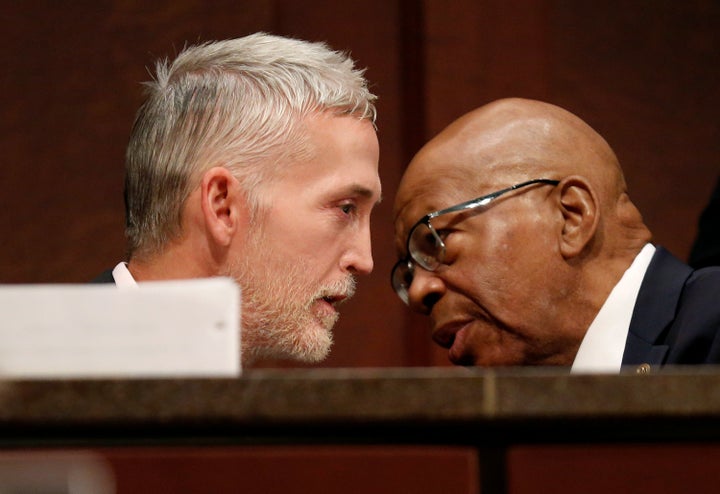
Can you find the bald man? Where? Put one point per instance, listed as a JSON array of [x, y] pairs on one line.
[[516, 235]]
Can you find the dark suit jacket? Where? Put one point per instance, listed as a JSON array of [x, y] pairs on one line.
[[104, 277], [706, 249], [677, 315]]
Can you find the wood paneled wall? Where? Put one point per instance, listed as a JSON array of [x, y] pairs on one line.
[[643, 72]]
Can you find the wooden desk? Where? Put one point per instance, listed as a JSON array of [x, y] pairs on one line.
[[488, 411]]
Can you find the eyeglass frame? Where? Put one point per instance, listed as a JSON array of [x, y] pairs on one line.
[[409, 261]]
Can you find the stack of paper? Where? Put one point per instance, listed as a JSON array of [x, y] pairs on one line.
[[160, 329]]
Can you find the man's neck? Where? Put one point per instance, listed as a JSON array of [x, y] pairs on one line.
[[173, 263]]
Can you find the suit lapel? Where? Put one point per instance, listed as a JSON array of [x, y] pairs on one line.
[[655, 309]]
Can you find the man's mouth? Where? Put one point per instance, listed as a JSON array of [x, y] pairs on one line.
[[445, 334], [453, 336], [334, 299], [337, 292]]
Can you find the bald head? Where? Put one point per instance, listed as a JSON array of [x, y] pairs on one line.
[[510, 140]]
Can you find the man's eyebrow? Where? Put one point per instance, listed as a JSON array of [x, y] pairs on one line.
[[362, 191]]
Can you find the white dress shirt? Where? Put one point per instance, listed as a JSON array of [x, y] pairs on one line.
[[123, 278], [603, 346]]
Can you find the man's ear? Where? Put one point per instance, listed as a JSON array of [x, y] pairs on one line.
[[578, 203], [222, 205]]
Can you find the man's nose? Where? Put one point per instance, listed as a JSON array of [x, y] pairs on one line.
[[425, 290], [358, 258]]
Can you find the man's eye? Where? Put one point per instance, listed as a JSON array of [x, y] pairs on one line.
[[443, 233], [348, 208]]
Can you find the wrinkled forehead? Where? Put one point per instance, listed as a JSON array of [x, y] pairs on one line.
[[430, 183], [445, 171], [420, 195]]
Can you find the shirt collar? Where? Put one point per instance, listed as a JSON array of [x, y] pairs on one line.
[[602, 348], [123, 278]]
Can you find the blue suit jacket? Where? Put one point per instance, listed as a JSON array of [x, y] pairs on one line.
[[677, 315]]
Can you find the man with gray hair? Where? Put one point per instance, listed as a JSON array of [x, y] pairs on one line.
[[256, 158]]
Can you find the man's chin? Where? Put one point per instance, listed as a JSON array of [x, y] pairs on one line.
[[315, 341], [310, 343]]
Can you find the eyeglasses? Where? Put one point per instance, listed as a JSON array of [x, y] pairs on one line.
[[426, 248]]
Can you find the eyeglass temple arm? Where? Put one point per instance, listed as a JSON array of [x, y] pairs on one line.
[[483, 200]]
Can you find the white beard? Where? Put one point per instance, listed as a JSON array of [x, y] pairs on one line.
[[278, 302]]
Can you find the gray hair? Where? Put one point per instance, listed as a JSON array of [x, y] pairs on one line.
[[237, 103]]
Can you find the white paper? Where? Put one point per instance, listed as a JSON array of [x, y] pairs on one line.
[[161, 329]]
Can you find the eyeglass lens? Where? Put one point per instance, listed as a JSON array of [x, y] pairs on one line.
[[426, 247], [402, 278]]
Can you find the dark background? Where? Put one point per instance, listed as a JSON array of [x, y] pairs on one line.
[[644, 73]]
